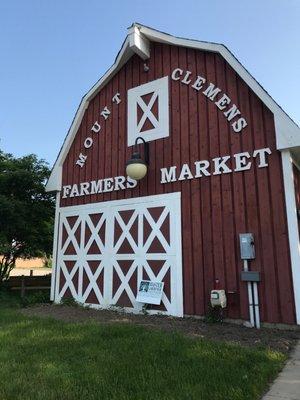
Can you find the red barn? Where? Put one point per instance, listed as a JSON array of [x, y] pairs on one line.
[[223, 161]]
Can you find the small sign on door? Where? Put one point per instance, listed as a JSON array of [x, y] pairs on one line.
[[150, 292]]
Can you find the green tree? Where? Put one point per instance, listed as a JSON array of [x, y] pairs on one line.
[[26, 210]]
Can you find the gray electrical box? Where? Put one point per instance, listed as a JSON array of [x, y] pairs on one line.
[[250, 276], [247, 246]]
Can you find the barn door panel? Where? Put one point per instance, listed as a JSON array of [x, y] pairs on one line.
[[106, 249], [142, 250], [81, 255]]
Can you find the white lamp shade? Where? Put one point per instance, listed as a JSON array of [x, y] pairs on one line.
[[136, 170]]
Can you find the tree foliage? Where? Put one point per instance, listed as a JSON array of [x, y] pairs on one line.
[[26, 210]]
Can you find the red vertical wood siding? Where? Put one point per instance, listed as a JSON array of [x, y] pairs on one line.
[[215, 209]]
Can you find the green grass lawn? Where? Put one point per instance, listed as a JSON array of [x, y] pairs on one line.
[[47, 359]]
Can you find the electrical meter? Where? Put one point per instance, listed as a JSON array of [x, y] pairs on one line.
[[218, 298]]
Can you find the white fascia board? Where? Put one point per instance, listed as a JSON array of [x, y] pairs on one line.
[[134, 43], [157, 36], [123, 56], [287, 131], [139, 43], [55, 179], [292, 220], [55, 245], [295, 154]]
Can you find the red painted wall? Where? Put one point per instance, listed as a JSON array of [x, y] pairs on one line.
[[215, 209]]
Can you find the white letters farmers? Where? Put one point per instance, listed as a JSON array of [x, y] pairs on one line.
[[99, 186]]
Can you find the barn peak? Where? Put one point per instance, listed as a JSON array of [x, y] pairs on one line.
[[138, 41]]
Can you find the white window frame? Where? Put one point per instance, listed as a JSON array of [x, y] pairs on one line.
[[160, 89]]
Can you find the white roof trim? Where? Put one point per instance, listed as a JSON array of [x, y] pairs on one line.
[[138, 41]]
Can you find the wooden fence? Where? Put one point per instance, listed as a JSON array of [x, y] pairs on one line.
[[25, 283]]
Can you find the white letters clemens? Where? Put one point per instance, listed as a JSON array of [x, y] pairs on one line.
[[211, 92], [217, 166]]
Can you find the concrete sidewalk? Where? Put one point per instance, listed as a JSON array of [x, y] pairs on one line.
[[287, 384]]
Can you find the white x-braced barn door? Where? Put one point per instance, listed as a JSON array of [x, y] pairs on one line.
[[106, 249]]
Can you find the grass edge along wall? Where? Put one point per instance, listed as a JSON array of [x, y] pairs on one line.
[[216, 138]]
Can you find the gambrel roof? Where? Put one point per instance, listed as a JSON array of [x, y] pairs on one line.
[[138, 41]]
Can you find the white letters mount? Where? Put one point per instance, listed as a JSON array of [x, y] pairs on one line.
[[95, 129]]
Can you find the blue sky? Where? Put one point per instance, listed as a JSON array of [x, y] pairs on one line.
[[52, 52]]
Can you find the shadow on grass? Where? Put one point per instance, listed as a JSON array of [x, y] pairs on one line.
[[47, 359]]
